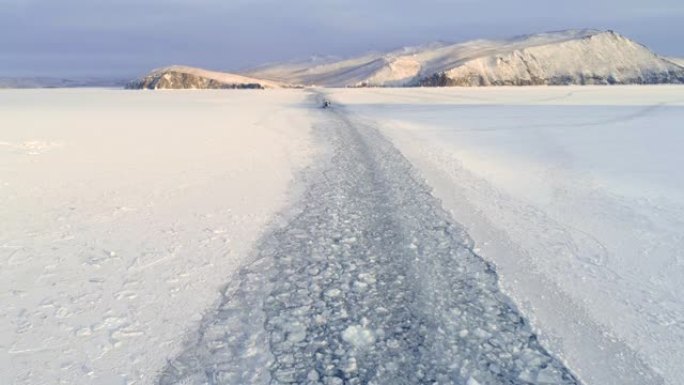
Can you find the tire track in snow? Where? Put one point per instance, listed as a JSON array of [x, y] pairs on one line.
[[372, 283]]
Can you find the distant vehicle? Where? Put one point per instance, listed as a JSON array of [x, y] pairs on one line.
[[326, 103]]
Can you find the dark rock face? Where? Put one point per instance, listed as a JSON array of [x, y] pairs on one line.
[[442, 80], [181, 80], [670, 77], [475, 80]]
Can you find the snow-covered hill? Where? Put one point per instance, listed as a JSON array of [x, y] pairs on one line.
[[565, 57], [181, 77], [388, 69], [553, 58]]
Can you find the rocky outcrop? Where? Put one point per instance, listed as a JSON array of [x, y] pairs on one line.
[[194, 78], [179, 80]]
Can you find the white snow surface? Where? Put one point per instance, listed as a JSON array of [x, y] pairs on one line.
[[576, 194], [123, 213], [571, 53]]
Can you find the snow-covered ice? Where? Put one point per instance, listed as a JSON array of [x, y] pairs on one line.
[[291, 315], [122, 214], [124, 217], [577, 195], [358, 336]]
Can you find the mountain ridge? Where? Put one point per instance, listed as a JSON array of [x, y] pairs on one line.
[[581, 56], [677, 60]]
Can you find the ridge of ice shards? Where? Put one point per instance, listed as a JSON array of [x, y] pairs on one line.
[[372, 283]]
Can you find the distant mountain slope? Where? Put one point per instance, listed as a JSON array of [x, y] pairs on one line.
[[181, 77], [565, 57], [597, 58], [677, 60], [397, 67], [52, 82], [552, 58]]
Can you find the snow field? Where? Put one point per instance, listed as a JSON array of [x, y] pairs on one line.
[[122, 214], [577, 195]]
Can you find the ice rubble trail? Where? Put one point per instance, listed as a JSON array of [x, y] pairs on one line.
[[370, 283]]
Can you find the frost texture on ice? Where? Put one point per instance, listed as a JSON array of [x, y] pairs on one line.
[[370, 284]]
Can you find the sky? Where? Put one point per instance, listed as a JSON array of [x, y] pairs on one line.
[[127, 38]]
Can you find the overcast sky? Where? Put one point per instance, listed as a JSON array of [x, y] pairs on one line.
[[129, 37]]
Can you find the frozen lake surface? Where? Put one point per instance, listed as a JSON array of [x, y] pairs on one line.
[[576, 194], [122, 214], [243, 236], [370, 283]]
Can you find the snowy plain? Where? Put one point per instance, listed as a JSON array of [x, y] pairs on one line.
[[122, 214], [576, 194]]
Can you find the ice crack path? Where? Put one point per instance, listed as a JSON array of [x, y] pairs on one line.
[[371, 284]]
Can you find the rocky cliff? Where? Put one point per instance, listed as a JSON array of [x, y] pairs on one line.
[[178, 77]]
